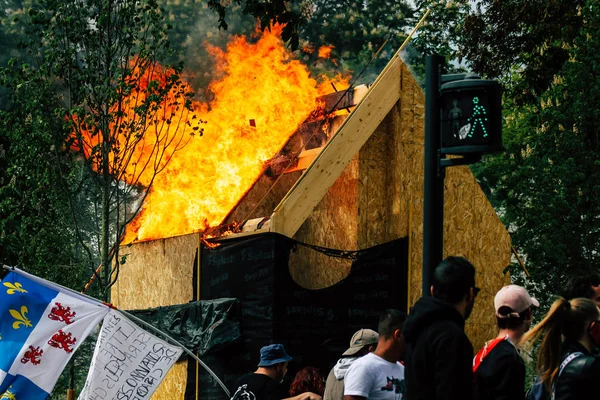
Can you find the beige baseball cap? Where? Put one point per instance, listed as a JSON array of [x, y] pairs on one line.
[[360, 339], [515, 297]]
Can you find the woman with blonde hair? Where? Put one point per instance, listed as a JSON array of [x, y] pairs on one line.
[[571, 332]]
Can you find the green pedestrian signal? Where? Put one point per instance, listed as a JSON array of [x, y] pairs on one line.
[[471, 116]]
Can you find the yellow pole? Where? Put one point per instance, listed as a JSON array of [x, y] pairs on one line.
[[520, 261], [409, 264], [402, 47], [198, 299]]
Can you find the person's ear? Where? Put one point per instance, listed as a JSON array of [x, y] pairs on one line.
[[431, 290], [398, 334], [470, 295]]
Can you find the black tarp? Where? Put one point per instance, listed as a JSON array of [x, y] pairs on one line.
[[314, 325], [200, 326]]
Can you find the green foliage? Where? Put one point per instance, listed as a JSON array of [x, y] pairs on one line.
[[195, 30], [528, 39], [440, 34], [127, 114], [35, 221], [546, 185], [270, 12], [356, 34]]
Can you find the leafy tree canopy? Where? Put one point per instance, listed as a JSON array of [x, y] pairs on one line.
[[546, 185], [524, 42]]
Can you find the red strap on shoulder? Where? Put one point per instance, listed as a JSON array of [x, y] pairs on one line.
[[489, 346]]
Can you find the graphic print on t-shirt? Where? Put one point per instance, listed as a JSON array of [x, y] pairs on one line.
[[375, 378], [394, 385], [242, 393]]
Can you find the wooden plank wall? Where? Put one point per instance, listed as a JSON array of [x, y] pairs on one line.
[[158, 273]]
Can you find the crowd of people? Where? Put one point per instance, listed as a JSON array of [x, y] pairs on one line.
[[426, 355]]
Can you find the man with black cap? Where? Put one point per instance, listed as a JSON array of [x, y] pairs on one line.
[[498, 367], [363, 342], [263, 384]]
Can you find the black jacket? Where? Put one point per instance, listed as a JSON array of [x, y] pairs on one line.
[[439, 356], [501, 375], [579, 379]]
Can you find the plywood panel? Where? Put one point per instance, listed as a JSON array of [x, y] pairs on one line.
[[373, 184], [158, 273], [332, 224]]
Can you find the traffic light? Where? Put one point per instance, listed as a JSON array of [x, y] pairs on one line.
[[471, 116]]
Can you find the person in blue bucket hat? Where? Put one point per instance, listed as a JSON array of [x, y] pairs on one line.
[[264, 383]]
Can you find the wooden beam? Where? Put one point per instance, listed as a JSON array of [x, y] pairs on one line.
[[305, 158], [343, 99], [308, 191]]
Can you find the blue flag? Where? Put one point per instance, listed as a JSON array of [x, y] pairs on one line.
[[41, 326]]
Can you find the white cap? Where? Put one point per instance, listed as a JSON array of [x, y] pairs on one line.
[[516, 298]]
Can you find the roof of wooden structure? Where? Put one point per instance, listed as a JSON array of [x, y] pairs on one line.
[[308, 191]]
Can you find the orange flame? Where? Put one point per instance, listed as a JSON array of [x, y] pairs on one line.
[[262, 97], [325, 51], [134, 154]]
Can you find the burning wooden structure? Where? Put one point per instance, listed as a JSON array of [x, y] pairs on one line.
[[363, 187]]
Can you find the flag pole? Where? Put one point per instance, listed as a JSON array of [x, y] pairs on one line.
[[140, 321]]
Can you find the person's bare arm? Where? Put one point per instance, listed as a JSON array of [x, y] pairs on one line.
[[305, 396]]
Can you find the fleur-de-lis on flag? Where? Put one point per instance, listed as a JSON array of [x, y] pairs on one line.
[[14, 288], [21, 318], [8, 395]]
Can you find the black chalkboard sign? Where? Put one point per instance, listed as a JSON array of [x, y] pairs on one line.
[[314, 325]]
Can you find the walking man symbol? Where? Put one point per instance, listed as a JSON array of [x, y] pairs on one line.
[[477, 118]]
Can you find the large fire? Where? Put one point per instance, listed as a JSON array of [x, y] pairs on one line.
[[262, 96]]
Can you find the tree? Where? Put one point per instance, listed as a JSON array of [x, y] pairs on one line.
[[36, 230], [440, 34], [126, 113], [547, 183], [270, 12], [523, 42], [353, 34]]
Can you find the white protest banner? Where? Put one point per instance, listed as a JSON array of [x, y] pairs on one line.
[[129, 363]]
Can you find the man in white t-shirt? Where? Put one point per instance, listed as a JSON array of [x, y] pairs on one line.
[[379, 375]]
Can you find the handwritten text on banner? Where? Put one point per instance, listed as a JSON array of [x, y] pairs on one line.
[[129, 363]]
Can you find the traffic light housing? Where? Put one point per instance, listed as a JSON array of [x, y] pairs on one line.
[[471, 116]]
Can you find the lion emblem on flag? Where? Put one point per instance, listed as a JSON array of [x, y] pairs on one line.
[[32, 355], [60, 313], [62, 340]]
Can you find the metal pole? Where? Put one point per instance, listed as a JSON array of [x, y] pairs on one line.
[[433, 188]]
